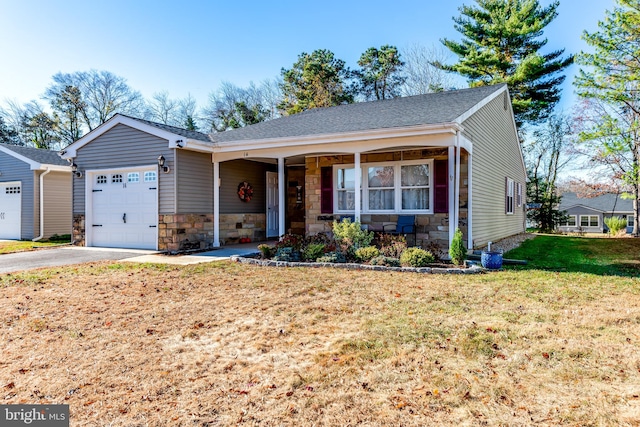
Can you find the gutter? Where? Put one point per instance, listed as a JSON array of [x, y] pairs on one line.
[[41, 206]]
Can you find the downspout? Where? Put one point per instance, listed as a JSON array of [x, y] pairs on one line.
[[41, 205]]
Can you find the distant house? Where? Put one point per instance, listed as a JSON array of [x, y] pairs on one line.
[[451, 159], [588, 213], [35, 193]]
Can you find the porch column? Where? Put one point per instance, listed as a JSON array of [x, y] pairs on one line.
[[457, 196], [216, 204], [452, 201], [469, 202], [358, 184], [281, 198]]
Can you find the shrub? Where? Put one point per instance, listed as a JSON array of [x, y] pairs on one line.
[[266, 250], [332, 257], [457, 251], [350, 236], [293, 241], [416, 257], [392, 245], [386, 261], [365, 254], [615, 224], [313, 251]]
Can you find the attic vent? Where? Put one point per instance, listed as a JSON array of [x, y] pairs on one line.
[[505, 98]]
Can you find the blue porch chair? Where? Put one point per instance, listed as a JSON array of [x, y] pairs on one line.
[[406, 225]]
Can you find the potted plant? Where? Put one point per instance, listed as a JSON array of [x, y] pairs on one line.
[[491, 260]]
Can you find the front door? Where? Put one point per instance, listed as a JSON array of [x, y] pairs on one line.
[[272, 205]]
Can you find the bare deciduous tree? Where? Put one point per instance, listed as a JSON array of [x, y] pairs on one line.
[[423, 77]]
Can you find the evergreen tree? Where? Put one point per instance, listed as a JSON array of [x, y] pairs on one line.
[[380, 76], [610, 83], [316, 80], [8, 135], [501, 44]]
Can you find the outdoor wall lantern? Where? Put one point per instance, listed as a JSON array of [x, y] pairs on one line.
[[76, 172], [162, 163]]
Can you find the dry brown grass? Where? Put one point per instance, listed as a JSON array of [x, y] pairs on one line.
[[230, 344]]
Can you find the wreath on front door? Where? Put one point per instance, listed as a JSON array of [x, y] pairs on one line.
[[245, 191]]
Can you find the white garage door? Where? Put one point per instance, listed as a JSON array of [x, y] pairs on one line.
[[10, 209], [124, 209]]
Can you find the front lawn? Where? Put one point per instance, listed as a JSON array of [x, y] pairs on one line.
[[603, 256], [233, 344]]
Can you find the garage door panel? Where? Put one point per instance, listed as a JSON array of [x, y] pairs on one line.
[[126, 210], [10, 210]]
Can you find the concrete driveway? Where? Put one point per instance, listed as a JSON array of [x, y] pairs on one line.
[[66, 255], [69, 255]]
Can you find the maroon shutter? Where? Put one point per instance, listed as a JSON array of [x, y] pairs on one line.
[[441, 188], [326, 190]]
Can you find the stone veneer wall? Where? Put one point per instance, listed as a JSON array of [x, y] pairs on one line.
[[433, 228], [181, 232], [78, 231], [235, 226]]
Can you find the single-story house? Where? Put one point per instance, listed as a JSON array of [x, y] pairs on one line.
[[35, 193], [450, 159], [587, 214]]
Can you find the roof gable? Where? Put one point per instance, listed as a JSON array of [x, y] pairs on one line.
[[176, 137]]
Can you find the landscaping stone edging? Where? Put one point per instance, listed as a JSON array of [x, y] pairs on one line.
[[474, 269]]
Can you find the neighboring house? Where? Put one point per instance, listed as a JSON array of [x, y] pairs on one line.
[[452, 159], [587, 214], [35, 193]]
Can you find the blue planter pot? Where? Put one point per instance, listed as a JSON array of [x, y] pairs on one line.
[[491, 260]]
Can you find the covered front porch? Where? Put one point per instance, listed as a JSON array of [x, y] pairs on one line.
[[311, 182]]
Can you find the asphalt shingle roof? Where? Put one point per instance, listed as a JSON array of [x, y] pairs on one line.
[[191, 134], [433, 108], [39, 155], [604, 202]]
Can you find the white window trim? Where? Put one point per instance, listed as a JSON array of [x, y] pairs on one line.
[[510, 195], [519, 194], [566, 223], [589, 220], [629, 220], [397, 187]]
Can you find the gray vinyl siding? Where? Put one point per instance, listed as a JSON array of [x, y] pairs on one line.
[[496, 156], [233, 173], [123, 147], [16, 170], [57, 204], [194, 174]]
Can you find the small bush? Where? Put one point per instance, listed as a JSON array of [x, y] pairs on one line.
[[350, 236], [266, 251], [615, 224], [386, 261], [336, 257], [457, 251], [367, 253], [293, 241], [392, 245], [313, 251], [416, 257]]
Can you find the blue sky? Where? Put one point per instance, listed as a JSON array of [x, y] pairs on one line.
[[190, 47]]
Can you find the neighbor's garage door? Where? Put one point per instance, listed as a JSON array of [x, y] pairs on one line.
[[10, 209], [124, 209]]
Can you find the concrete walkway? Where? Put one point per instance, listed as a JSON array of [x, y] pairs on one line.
[[220, 254]]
